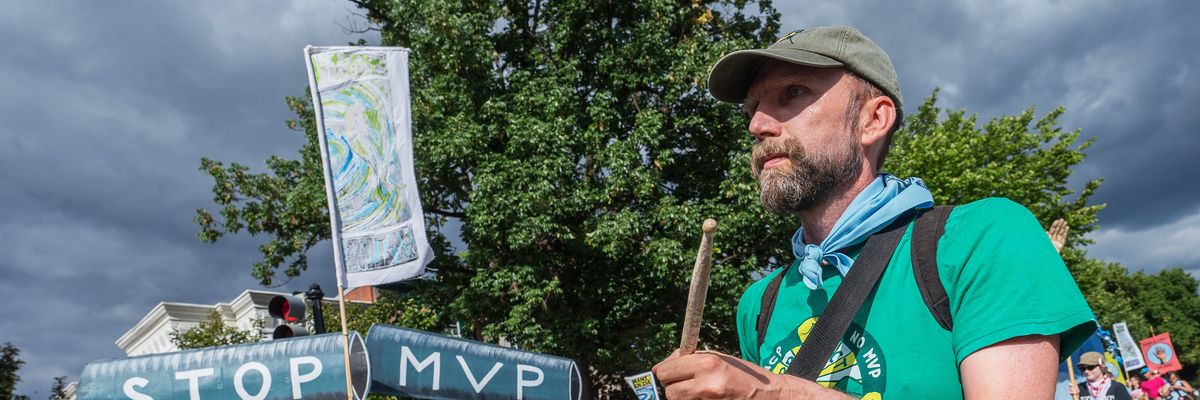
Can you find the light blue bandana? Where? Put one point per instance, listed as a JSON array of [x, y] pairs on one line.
[[884, 200]]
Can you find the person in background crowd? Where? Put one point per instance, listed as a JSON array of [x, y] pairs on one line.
[[1099, 384], [1151, 383], [1135, 388], [1180, 387]]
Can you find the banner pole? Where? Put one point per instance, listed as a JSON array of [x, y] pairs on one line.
[[335, 220], [1071, 375], [345, 340]]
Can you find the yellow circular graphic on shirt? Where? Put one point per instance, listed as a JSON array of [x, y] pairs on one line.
[[856, 366]]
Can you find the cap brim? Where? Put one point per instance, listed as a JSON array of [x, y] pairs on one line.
[[731, 76]]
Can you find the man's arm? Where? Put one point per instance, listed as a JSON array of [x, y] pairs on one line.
[[713, 375], [1023, 367]]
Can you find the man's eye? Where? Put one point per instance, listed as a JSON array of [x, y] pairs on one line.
[[749, 106], [794, 91]]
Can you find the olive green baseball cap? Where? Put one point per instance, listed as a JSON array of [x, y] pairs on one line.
[[825, 47]]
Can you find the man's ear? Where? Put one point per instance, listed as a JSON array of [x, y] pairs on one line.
[[876, 119]]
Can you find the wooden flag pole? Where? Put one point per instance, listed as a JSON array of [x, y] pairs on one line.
[[698, 291], [1071, 375], [346, 341], [335, 221]]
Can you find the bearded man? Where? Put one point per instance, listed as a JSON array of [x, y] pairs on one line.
[[823, 104]]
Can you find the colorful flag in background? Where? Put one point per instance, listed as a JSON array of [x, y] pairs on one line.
[[364, 123], [1160, 353], [1129, 348]]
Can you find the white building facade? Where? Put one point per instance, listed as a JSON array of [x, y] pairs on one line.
[[247, 311]]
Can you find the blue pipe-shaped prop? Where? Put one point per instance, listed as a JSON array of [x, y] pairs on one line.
[[406, 362], [310, 367]]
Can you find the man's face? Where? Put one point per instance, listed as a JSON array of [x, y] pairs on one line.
[[807, 149]]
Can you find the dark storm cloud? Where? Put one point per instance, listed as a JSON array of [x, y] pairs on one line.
[[1127, 74], [107, 110]]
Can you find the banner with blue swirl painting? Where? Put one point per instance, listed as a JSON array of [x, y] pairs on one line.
[[361, 101]]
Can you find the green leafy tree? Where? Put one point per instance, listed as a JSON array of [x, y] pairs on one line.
[[213, 332], [400, 308], [58, 390], [576, 143], [10, 363], [1167, 302], [1022, 157]]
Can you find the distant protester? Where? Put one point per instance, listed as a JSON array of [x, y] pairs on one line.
[[1135, 388], [1151, 383], [1099, 384], [1180, 388]]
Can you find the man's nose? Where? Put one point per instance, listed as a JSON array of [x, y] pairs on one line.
[[763, 125]]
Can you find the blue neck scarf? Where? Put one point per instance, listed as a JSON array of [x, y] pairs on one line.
[[884, 200]]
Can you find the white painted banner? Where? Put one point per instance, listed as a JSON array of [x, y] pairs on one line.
[[1131, 354], [364, 123]]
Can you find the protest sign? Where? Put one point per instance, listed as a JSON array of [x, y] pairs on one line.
[[644, 385], [1129, 348], [1160, 354]]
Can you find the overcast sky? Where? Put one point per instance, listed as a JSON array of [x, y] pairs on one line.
[[109, 106]]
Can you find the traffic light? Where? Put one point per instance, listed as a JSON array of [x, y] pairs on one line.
[[290, 309]]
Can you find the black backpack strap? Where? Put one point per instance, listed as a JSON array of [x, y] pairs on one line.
[[846, 301], [768, 303], [927, 232]]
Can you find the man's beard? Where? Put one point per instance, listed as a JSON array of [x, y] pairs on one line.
[[808, 180]]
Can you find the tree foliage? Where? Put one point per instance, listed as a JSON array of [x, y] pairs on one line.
[[1167, 302], [1151, 303], [213, 332], [1021, 157], [576, 143], [288, 204], [407, 309], [58, 390], [10, 363]]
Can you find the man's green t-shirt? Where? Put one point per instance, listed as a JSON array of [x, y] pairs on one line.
[[1003, 278]]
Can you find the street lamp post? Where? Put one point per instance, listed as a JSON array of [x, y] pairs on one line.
[[315, 297]]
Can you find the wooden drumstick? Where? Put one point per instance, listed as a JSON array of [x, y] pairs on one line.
[[699, 289]]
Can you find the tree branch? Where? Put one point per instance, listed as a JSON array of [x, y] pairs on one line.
[[444, 213]]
